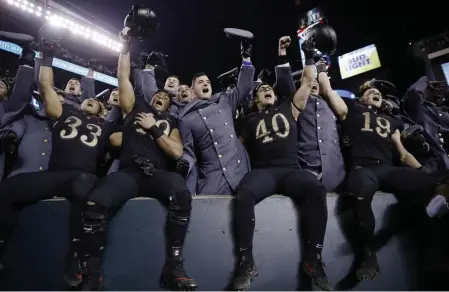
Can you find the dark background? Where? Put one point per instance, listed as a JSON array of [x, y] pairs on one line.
[[192, 35]]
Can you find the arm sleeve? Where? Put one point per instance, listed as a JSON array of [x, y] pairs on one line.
[[239, 95]]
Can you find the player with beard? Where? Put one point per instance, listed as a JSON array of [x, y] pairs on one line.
[[374, 136], [270, 137], [150, 142], [78, 141]]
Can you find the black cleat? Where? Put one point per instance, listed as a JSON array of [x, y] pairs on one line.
[[317, 275], [369, 268], [92, 279], [243, 276], [73, 275], [175, 278]]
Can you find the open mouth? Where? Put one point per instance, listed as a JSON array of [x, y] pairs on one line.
[[268, 96], [159, 103], [115, 100], [72, 88], [376, 98], [314, 87], [184, 95], [205, 89]]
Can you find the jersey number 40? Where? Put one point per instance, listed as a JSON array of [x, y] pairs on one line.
[[267, 136]]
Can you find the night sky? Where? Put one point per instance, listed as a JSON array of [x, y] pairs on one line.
[[191, 31]]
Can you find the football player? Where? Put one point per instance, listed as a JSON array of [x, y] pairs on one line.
[[374, 135], [150, 141], [79, 137], [270, 137]]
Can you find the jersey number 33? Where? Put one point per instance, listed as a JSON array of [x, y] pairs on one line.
[[73, 124]]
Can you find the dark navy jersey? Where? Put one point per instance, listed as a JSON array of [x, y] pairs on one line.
[[136, 142], [270, 136], [79, 141], [370, 132]]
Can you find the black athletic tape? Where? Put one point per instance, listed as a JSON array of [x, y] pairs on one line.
[[47, 61], [309, 62], [156, 132]]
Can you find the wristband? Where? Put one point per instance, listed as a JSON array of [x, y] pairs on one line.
[[47, 61], [309, 61], [282, 60], [156, 132], [244, 63]]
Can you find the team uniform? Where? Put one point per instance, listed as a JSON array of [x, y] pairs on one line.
[[270, 137], [78, 143], [372, 169], [143, 173]]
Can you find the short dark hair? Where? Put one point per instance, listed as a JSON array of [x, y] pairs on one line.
[[74, 79], [174, 76], [197, 75]]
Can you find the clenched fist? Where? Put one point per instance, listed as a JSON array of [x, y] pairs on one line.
[[284, 42]]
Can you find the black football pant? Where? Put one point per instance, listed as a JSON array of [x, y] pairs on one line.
[[117, 188], [300, 185], [368, 176], [29, 188]]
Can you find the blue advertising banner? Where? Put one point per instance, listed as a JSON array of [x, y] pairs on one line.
[[64, 65]]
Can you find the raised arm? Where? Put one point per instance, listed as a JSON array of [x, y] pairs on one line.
[[53, 106], [239, 95], [88, 85], [22, 91], [125, 88], [308, 76], [334, 100], [285, 85], [413, 100]]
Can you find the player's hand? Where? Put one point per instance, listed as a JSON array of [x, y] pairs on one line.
[[308, 47], [123, 35], [182, 167], [145, 121], [284, 42], [9, 142]]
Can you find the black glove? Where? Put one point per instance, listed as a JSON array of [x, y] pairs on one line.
[[143, 60], [182, 167], [425, 170], [263, 75], [93, 63], [246, 48], [49, 40], [27, 56], [145, 165], [308, 47], [157, 59], [9, 142]]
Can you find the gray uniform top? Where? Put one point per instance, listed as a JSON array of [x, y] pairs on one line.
[[209, 138], [32, 128], [434, 120], [319, 144], [35, 142]]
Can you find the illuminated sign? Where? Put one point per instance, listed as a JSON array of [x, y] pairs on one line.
[[445, 68], [64, 65], [359, 61]]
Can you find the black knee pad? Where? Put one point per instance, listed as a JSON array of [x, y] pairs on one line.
[[83, 184], [179, 207], [95, 218]]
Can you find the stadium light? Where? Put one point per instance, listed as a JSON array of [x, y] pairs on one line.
[[63, 21]]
